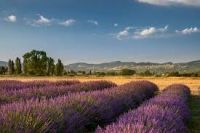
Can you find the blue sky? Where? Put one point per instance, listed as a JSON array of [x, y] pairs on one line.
[[97, 31]]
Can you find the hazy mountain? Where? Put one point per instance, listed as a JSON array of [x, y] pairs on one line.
[[192, 66], [3, 63]]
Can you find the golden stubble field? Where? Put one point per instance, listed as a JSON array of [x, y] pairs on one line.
[[162, 82]]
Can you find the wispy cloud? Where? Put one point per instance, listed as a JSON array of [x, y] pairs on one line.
[[149, 32], [93, 22], [171, 2], [124, 34], [187, 31], [42, 20], [141, 33], [68, 22], [11, 18], [116, 25]]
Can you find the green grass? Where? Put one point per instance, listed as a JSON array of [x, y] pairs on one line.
[[194, 124]]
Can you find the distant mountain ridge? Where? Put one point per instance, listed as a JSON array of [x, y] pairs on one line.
[[3, 63], [193, 66]]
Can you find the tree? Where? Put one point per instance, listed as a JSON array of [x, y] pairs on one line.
[[72, 73], [111, 73], [50, 66], [127, 72], [174, 74], [3, 70], [11, 67], [18, 66], [90, 72], [100, 73], [147, 73], [35, 62], [81, 72], [59, 68]]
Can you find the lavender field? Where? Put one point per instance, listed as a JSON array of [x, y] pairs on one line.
[[166, 113], [99, 66], [93, 106]]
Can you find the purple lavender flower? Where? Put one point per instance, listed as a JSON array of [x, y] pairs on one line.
[[50, 89], [75, 112], [166, 113]]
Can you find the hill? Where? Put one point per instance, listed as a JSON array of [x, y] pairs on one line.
[[193, 66], [3, 63]]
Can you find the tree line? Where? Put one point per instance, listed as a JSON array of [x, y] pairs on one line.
[[35, 63]]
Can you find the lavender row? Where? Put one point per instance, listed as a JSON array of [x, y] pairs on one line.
[[76, 112], [10, 85], [166, 113], [52, 91]]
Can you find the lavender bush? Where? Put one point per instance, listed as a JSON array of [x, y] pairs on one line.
[[76, 112], [166, 113], [52, 90], [9, 85]]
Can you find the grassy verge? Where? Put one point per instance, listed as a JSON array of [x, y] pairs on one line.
[[194, 124]]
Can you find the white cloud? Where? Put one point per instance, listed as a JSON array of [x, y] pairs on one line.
[[149, 32], [188, 31], [116, 25], [136, 33], [172, 2], [42, 20], [11, 18], [124, 33], [93, 22], [68, 22]]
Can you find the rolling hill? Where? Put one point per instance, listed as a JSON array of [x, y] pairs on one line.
[[3, 63], [193, 66]]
